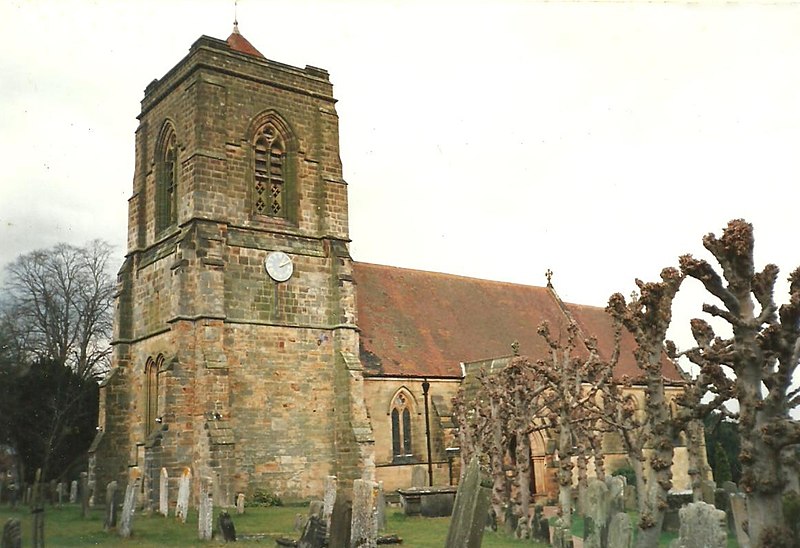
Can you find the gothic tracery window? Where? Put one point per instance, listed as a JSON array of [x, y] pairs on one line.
[[167, 181], [401, 427], [270, 177]]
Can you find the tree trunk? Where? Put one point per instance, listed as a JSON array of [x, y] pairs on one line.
[[583, 479], [498, 474], [565, 470], [697, 457], [523, 457]]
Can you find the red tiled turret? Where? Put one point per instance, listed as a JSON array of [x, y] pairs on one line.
[[239, 43]]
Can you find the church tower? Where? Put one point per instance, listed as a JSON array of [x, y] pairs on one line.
[[236, 348]]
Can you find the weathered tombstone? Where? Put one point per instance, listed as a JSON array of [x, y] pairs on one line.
[[240, 503], [111, 506], [380, 508], [73, 492], [562, 536], [313, 534], [129, 503], [730, 487], [419, 476], [595, 532], [184, 488], [37, 509], [84, 495], [226, 528], [708, 489], [163, 493], [739, 512], [341, 516], [702, 526], [363, 531], [60, 493], [299, 522], [12, 534], [328, 499], [205, 510], [616, 494], [469, 511], [315, 508], [620, 531]]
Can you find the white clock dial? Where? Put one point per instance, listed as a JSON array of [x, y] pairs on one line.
[[279, 266]]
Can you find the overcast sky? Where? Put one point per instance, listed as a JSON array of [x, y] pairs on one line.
[[490, 139]]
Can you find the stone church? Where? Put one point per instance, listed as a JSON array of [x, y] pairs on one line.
[[248, 345]]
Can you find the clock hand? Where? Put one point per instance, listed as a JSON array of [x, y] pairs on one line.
[[284, 263]]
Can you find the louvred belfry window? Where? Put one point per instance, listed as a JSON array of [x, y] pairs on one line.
[[270, 185]]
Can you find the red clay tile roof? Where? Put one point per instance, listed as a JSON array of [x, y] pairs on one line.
[[416, 323], [239, 43]]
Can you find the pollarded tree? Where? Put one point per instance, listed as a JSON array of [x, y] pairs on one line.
[[763, 355], [647, 318]]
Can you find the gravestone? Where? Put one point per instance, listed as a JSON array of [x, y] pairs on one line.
[[595, 532], [12, 534], [562, 536], [328, 500], [702, 526], [313, 534], [708, 489], [184, 488], [205, 510], [226, 528], [315, 508], [163, 493], [73, 492], [240, 503], [341, 517], [363, 531], [469, 511], [616, 494], [419, 476], [675, 501], [129, 504], [730, 487], [509, 520], [60, 493], [84, 495], [111, 506], [299, 522], [620, 531], [738, 504], [380, 508]]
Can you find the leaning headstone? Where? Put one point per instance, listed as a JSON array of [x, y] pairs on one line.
[[240, 503], [620, 531], [111, 506], [702, 526], [163, 493], [226, 528], [363, 531], [84, 495], [184, 488], [205, 510], [341, 516], [328, 499], [12, 534], [73, 492], [469, 511], [595, 534], [738, 504], [129, 504], [419, 476], [313, 534]]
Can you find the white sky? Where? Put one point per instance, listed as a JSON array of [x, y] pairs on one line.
[[490, 139]]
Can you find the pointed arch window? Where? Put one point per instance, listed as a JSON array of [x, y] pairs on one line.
[[401, 428], [151, 415], [167, 181], [270, 193]]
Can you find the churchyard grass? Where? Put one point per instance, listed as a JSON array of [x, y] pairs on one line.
[[65, 528]]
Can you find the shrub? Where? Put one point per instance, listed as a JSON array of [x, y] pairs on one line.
[[628, 473], [262, 497]]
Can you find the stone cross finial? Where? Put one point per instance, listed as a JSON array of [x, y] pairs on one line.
[[549, 276], [515, 347]]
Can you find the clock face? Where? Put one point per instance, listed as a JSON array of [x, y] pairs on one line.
[[279, 266]]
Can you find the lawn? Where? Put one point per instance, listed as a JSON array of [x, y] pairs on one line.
[[64, 527]]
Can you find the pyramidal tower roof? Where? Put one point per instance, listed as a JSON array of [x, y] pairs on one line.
[[239, 43]]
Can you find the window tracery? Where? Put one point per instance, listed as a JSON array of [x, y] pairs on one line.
[[270, 177]]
